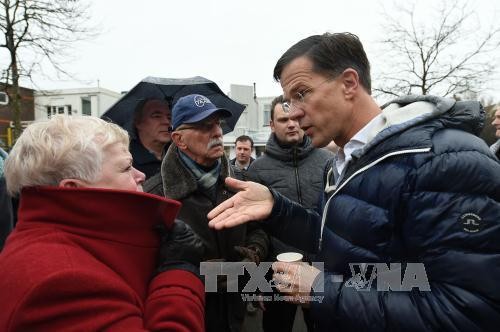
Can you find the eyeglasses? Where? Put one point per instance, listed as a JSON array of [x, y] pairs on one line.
[[300, 96], [204, 126]]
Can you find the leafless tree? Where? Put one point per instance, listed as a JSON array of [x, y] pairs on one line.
[[37, 35], [443, 51]]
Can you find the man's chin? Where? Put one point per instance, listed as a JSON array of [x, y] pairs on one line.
[[291, 140], [165, 139], [318, 142]]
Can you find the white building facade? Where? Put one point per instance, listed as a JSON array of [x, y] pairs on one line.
[[85, 101], [253, 122]]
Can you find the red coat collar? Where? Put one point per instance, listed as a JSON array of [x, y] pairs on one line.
[[115, 215]]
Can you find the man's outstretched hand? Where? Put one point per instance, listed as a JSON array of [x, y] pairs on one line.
[[252, 202]]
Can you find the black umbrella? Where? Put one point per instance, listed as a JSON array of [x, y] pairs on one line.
[[171, 89]]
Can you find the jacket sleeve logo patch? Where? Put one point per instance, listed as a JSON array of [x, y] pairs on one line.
[[471, 222]]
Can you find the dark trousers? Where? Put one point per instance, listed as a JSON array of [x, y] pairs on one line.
[[280, 316]]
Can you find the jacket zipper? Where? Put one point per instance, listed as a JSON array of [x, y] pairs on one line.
[[359, 171], [297, 183]]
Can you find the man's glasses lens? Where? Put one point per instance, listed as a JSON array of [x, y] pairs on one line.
[[205, 126], [210, 124], [286, 107]]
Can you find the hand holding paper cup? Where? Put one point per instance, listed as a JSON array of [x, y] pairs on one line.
[[294, 278], [285, 273]]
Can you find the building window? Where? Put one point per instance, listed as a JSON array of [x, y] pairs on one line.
[[53, 110], [4, 98], [267, 114], [86, 110]]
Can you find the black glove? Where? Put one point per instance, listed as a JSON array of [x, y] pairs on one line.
[[248, 254], [180, 248]]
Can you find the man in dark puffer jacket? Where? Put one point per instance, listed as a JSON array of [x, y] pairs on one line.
[[412, 184]]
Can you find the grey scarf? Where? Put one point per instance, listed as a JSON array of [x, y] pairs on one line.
[[205, 180]]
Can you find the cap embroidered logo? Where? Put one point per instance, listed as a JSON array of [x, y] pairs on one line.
[[200, 101]]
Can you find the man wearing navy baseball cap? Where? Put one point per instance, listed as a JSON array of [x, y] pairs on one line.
[[193, 172]]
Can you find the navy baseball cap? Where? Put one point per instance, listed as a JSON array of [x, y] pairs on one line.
[[194, 108]]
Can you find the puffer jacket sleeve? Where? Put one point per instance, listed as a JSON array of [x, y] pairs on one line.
[[287, 221], [452, 226]]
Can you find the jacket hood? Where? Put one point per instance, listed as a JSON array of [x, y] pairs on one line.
[[464, 115], [279, 152], [409, 111], [495, 147]]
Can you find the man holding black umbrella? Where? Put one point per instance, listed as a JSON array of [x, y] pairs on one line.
[[144, 112], [152, 124]]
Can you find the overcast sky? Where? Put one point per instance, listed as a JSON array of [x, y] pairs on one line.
[[227, 41]]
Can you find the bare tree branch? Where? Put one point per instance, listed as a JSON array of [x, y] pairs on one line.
[[39, 35], [446, 55]]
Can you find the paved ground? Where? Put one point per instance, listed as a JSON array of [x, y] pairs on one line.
[[253, 322]]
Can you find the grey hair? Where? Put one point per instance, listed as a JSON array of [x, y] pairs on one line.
[[64, 147]]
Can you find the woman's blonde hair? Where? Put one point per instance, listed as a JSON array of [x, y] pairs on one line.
[[64, 147]]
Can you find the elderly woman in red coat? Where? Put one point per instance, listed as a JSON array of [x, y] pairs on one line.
[[86, 253]]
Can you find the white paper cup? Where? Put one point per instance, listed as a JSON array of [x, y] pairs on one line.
[[289, 257]]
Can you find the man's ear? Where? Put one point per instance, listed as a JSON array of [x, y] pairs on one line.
[[177, 139], [350, 81], [72, 183], [271, 124]]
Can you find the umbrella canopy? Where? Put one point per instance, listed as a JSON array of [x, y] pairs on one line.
[[171, 89]]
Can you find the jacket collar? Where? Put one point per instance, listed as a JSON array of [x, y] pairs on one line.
[[140, 153], [276, 151], [495, 147], [114, 215]]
